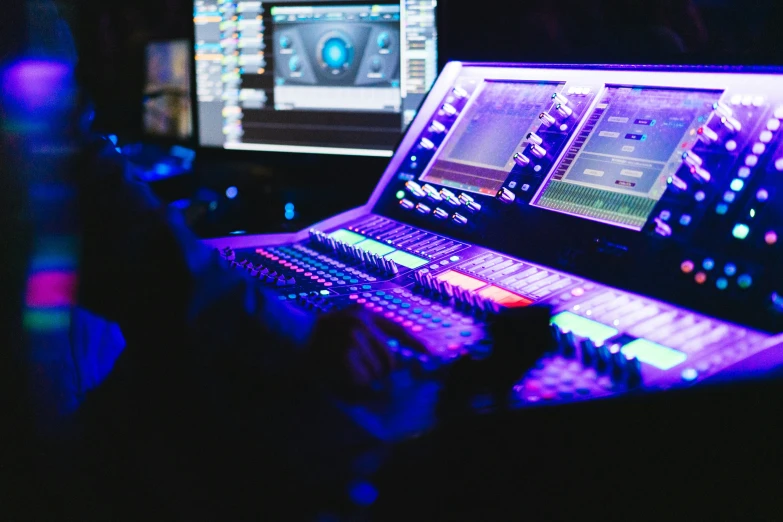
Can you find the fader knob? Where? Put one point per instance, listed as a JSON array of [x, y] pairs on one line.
[[407, 204], [707, 135], [678, 183], [731, 124], [538, 151], [473, 206], [426, 144], [506, 196], [692, 159], [547, 119], [432, 193], [521, 160], [449, 109], [722, 109], [449, 197], [459, 219], [567, 344], [662, 228], [465, 199], [559, 99], [534, 138], [633, 371]]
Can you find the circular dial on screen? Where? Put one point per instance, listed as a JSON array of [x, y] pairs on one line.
[[335, 52]]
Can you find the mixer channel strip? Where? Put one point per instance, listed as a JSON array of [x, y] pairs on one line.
[[405, 237]]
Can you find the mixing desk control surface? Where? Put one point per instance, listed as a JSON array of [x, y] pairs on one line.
[[640, 205]]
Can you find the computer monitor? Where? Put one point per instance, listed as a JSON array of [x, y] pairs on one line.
[[167, 99], [324, 77]]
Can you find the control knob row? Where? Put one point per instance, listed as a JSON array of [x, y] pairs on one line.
[[608, 359], [260, 272], [461, 296], [380, 263]]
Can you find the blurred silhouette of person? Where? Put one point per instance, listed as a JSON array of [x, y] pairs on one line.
[[221, 405]]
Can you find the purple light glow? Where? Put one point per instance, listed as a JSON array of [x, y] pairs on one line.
[[51, 289], [33, 85]]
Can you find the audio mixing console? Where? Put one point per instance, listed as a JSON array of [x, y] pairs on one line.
[[642, 205]]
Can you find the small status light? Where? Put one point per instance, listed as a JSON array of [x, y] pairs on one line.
[[616, 322], [700, 196], [721, 209], [687, 267], [730, 269], [737, 184], [722, 283], [729, 197], [237, 232], [413, 158], [771, 237], [231, 192], [744, 281], [762, 195], [289, 215], [289, 207], [689, 374], [400, 194], [743, 172], [752, 213], [708, 264], [740, 231], [685, 220], [700, 278]]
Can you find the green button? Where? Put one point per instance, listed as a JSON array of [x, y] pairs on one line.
[[465, 333], [397, 301], [405, 305], [426, 315], [354, 281], [436, 319], [417, 310], [366, 287]]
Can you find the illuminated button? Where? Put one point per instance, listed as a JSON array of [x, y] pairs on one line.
[[731, 145], [521, 160], [736, 99], [779, 164], [692, 159], [743, 172], [721, 209], [771, 237], [744, 281], [759, 148], [751, 160], [708, 264], [700, 196], [737, 184], [730, 269], [773, 125], [779, 113], [762, 195], [747, 100], [758, 101], [765, 136], [415, 189], [708, 135], [449, 109], [700, 278], [689, 375], [578, 292], [722, 283], [687, 267], [740, 231], [685, 220]]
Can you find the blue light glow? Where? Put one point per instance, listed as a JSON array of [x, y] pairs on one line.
[[708, 264], [737, 185], [231, 192], [730, 269], [289, 215], [363, 493], [741, 231], [289, 207]]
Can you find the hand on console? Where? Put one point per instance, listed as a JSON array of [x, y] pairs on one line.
[[350, 348]]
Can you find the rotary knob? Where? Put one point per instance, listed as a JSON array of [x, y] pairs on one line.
[[534, 138], [415, 189], [449, 109], [538, 151], [406, 204], [432, 193], [449, 197], [506, 196], [421, 208], [459, 92], [547, 119], [559, 99], [459, 219], [426, 144], [662, 228], [521, 160], [563, 110], [440, 213], [707, 135]]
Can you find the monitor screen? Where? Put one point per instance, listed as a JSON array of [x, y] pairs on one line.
[[330, 77], [479, 153], [617, 170], [167, 103]]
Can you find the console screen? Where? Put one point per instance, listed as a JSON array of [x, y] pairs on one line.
[[331, 77], [620, 171], [478, 154]]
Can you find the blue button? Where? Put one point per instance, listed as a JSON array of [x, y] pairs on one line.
[[417, 310], [708, 264], [437, 319], [465, 333], [454, 259], [292, 296], [324, 292], [393, 343], [446, 325], [282, 297], [366, 287], [730, 269], [426, 315], [397, 301], [380, 293], [689, 374], [405, 305], [744, 281], [354, 281]]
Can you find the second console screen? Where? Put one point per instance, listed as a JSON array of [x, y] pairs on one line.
[[478, 155], [620, 172]]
